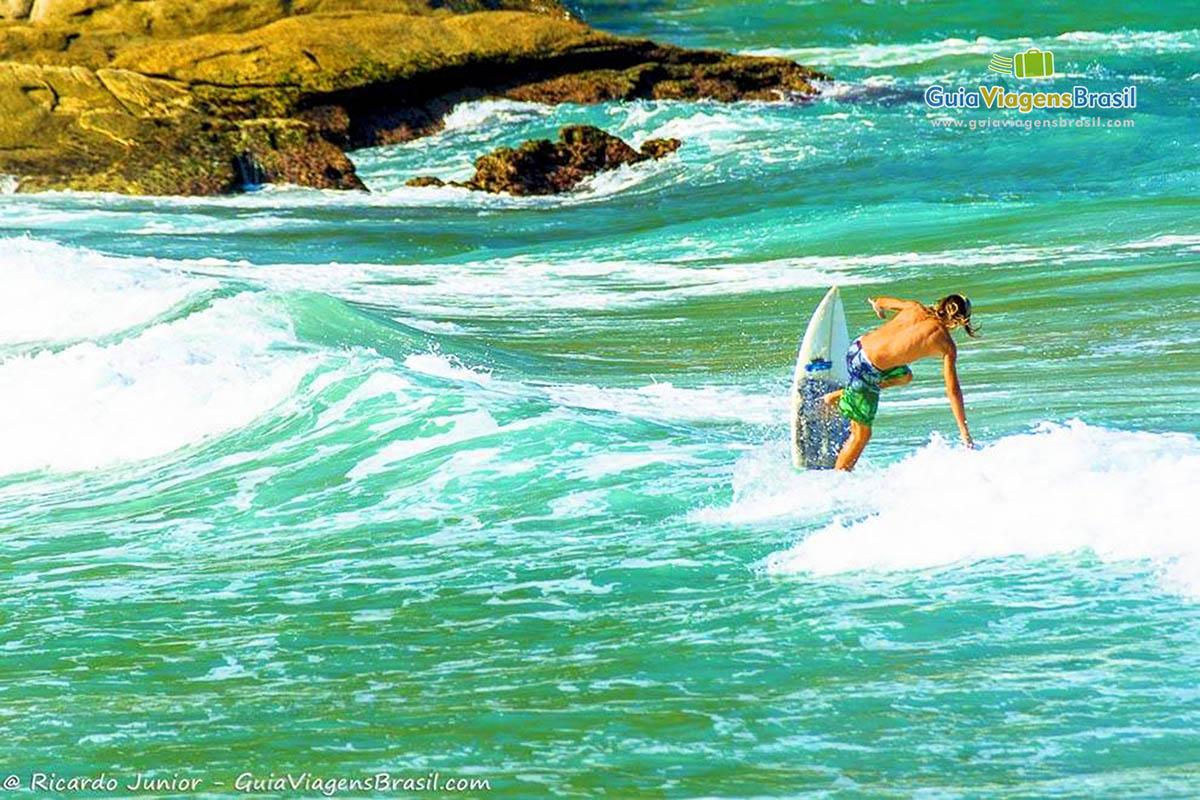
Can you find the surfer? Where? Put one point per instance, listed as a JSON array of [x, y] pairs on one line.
[[879, 359]]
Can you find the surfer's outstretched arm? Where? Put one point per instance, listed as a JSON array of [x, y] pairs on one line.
[[881, 304], [954, 391]]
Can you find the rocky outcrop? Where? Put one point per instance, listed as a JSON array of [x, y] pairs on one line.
[[194, 96], [182, 18], [117, 130], [540, 166]]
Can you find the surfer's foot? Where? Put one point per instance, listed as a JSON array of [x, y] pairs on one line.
[[832, 399]]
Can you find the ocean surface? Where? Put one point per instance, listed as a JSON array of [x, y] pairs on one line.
[[424, 480]]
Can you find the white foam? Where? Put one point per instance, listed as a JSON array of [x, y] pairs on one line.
[[706, 124], [55, 294], [1154, 41], [477, 113], [622, 179], [666, 402], [443, 366], [889, 55], [433, 326], [659, 401], [203, 224], [766, 487], [1061, 489], [377, 385], [174, 384], [1183, 241], [617, 462], [450, 431], [715, 129], [456, 430]]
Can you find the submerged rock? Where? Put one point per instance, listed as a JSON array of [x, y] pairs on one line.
[[204, 96], [425, 180], [540, 166]]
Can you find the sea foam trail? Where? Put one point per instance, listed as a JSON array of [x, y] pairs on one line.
[[539, 284], [658, 401], [1121, 495]]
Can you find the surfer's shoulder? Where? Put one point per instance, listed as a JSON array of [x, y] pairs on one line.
[[944, 342]]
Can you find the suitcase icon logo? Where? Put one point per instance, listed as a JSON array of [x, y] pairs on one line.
[[1033, 63]]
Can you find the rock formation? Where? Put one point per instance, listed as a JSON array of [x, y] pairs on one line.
[[197, 96], [540, 166]]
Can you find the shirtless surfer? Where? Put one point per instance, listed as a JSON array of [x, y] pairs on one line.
[[879, 360]]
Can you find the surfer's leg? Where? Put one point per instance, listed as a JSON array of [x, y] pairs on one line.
[[859, 436]]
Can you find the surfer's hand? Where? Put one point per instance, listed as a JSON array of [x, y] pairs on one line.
[[875, 307]]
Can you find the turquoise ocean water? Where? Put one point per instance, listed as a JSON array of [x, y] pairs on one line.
[[425, 480]]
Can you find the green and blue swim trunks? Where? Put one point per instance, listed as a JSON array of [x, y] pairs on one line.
[[860, 399]]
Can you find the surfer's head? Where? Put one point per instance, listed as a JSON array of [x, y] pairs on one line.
[[954, 311]]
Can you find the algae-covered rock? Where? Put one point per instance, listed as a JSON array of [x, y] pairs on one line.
[[540, 166], [192, 96], [68, 119], [657, 148], [15, 9]]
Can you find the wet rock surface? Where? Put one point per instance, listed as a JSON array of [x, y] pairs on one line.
[[540, 166]]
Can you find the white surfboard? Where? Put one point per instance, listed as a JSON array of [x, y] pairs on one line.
[[818, 431]]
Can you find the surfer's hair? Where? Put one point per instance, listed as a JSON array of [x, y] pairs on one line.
[[954, 311]]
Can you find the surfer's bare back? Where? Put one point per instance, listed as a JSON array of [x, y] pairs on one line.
[[879, 359]]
